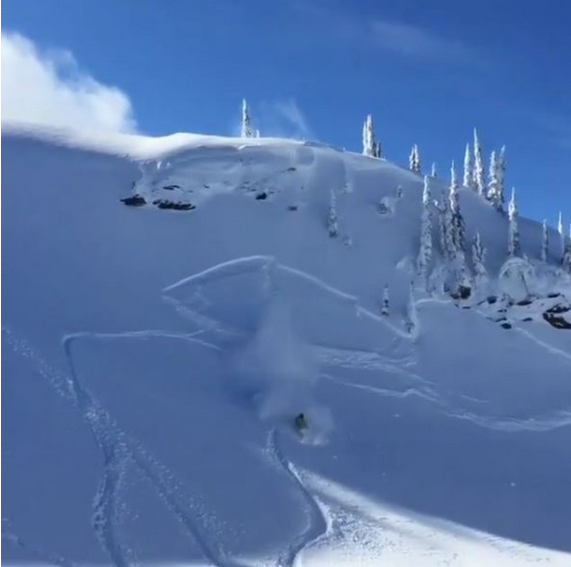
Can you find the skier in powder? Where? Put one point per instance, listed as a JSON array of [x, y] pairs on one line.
[[300, 423]]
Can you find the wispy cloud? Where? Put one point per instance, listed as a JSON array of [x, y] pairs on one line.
[[419, 43], [50, 88], [407, 40]]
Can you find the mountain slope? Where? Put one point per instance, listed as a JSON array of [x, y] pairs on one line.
[[154, 361]]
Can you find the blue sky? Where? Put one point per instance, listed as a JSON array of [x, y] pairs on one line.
[[428, 71]]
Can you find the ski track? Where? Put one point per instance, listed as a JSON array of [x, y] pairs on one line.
[[43, 557], [117, 451], [317, 525]]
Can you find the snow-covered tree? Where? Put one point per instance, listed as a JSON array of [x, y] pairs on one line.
[[445, 225], [369, 142], [246, 126], [544, 242], [479, 172], [332, 222], [457, 220], [433, 170], [411, 317], [502, 174], [513, 234], [479, 257], [414, 159], [468, 179], [385, 305], [425, 251], [561, 235], [495, 188], [567, 254]]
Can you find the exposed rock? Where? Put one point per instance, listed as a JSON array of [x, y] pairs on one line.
[[463, 292], [558, 308], [171, 187], [527, 319], [506, 326], [261, 196], [556, 321], [173, 206], [292, 208], [134, 201], [492, 299], [526, 301]]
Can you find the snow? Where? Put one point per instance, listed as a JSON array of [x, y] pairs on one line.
[[154, 361]]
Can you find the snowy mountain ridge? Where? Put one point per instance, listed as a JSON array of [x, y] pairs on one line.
[[154, 361]]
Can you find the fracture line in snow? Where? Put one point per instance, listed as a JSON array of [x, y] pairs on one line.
[[408, 392], [363, 360], [269, 268], [549, 348], [544, 422], [317, 524], [538, 423], [138, 335]]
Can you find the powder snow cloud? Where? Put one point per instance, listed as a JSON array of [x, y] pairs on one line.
[[50, 89]]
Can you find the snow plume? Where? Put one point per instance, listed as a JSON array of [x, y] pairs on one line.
[[279, 372], [50, 89]]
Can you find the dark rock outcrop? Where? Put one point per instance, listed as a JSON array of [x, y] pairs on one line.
[[134, 201]]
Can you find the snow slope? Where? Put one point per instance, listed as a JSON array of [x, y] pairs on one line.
[[153, 362]]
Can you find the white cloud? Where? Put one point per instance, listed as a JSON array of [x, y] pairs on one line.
[[49, 88]]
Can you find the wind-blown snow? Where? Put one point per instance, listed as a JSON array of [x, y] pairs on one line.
[[154, 362]]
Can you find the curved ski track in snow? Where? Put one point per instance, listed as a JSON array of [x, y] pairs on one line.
[[43, 557], [317, 524], [118, 451]]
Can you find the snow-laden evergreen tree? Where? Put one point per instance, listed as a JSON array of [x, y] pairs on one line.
[[414, 159], [479, 257], [369, 142], [513, 230], [411, 317], [502, 174], [561, 235], [457, 220], [567, 254], [425, 251], [495, 189], [479, 171], [445, 225], [385, 304], [246, 126], [544, 242], [468, 179], [433, 170], [332, 221]]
